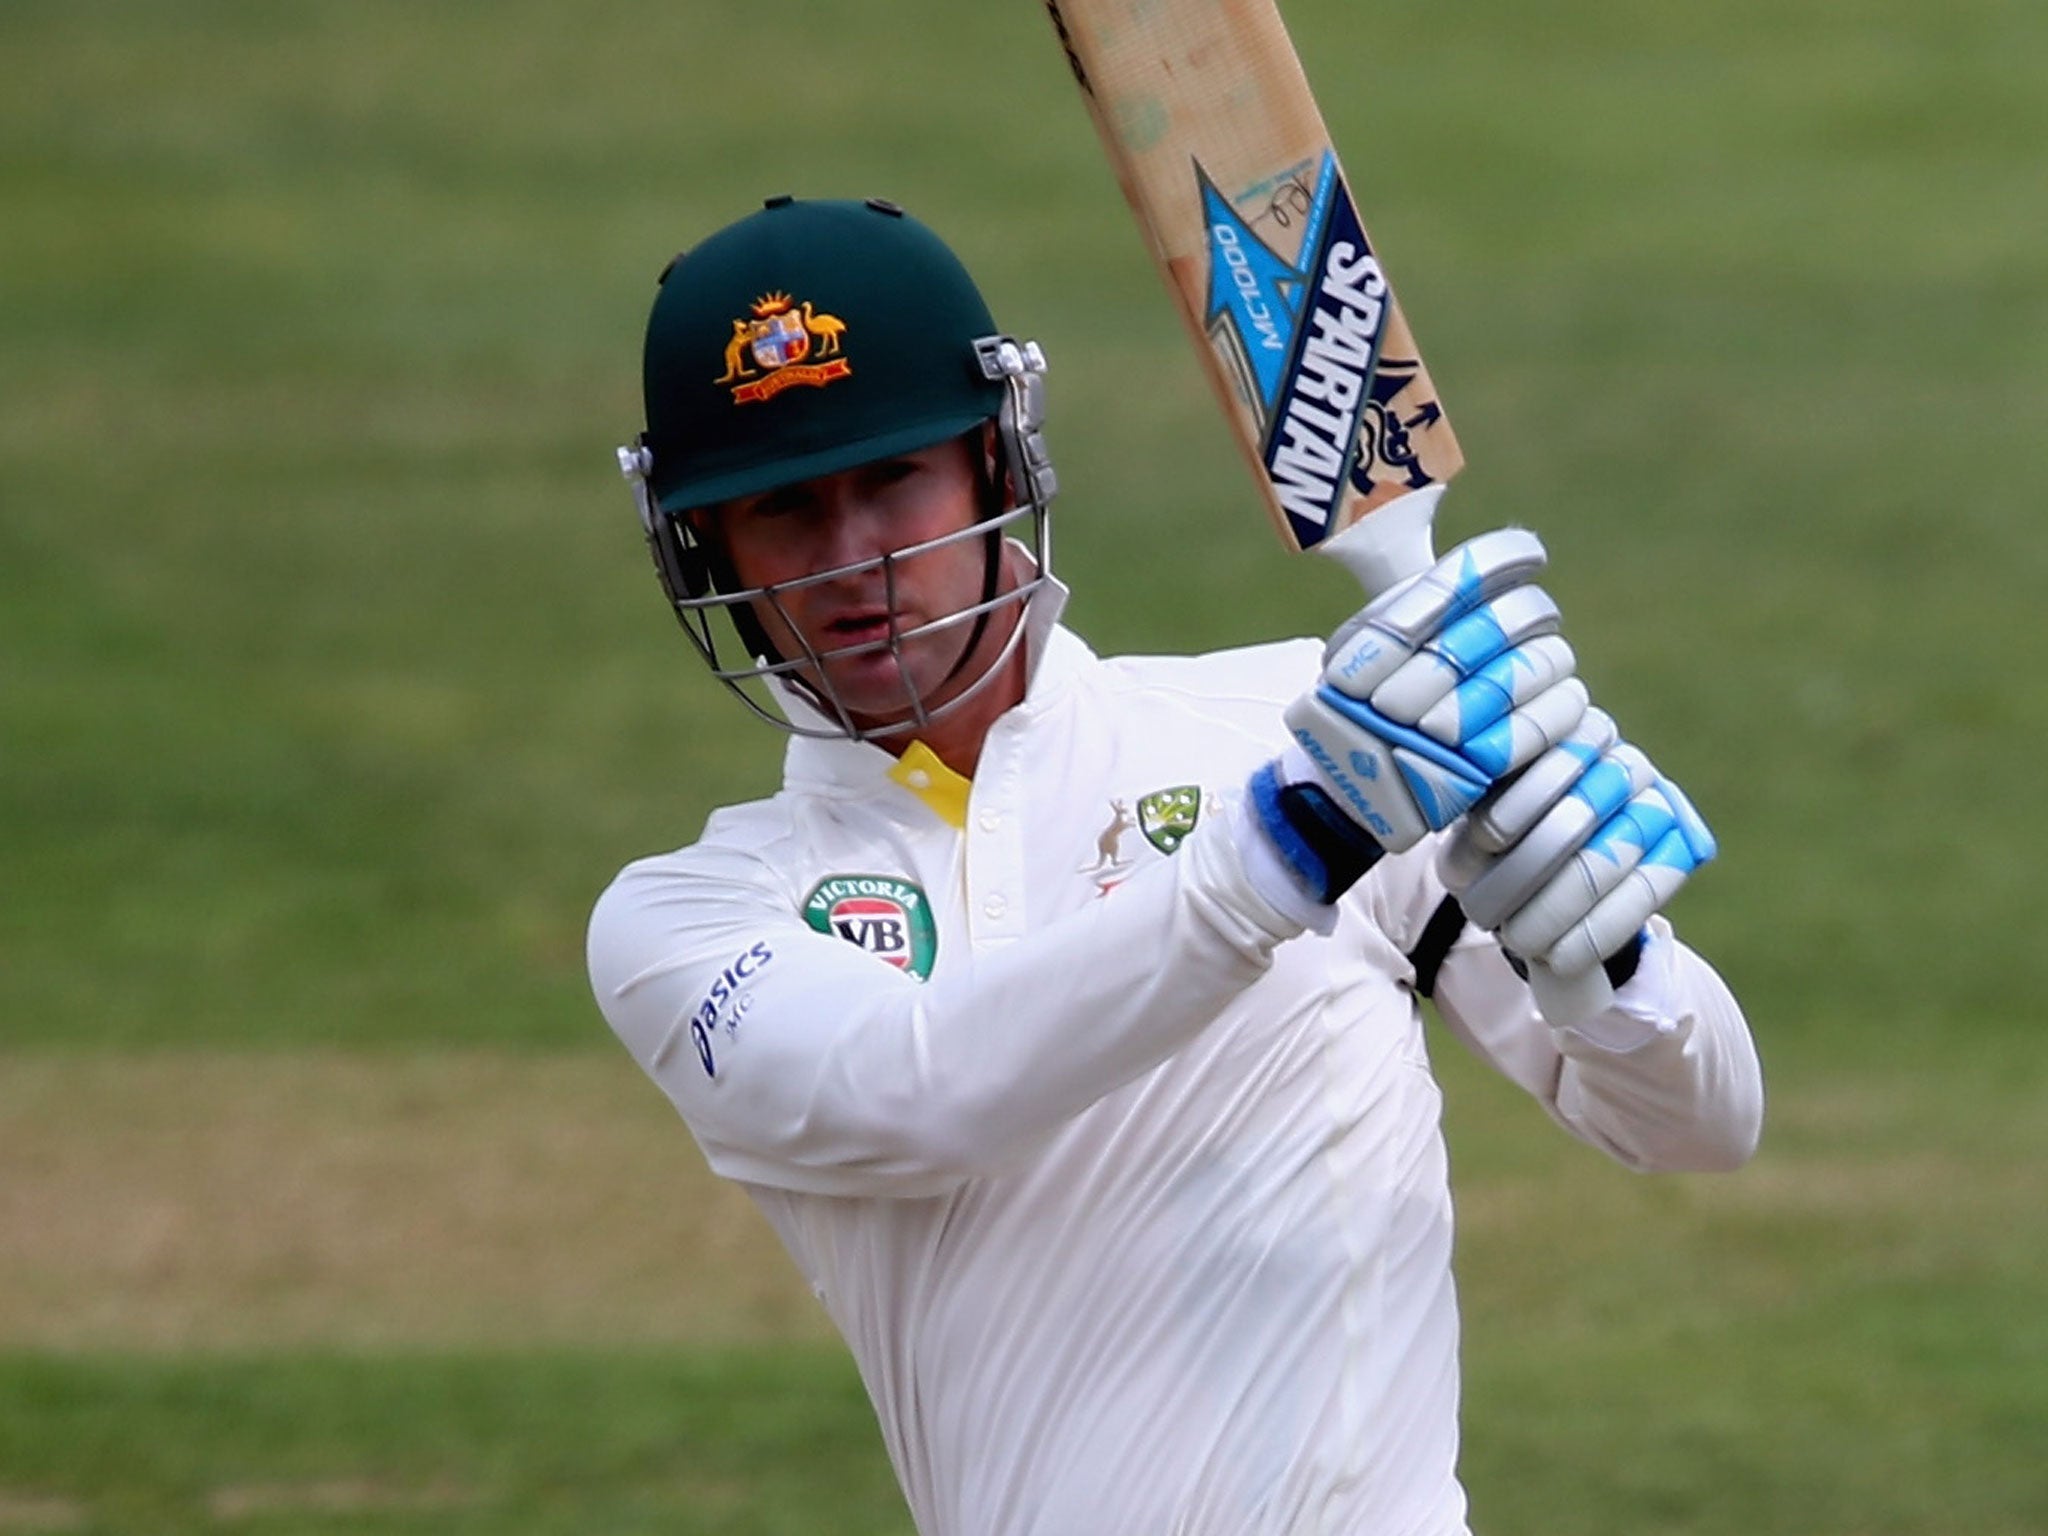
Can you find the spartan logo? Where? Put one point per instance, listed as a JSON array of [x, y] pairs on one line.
[[889, 918], [1302, 335], [1313, 442]]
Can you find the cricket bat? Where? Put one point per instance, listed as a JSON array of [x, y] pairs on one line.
[[1216, 140], [1215, 137]]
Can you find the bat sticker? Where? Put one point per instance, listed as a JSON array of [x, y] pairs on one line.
[[1302, 333]]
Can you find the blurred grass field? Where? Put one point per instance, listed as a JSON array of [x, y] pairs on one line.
[[333, 685]]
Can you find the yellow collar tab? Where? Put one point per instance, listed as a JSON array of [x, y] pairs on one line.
[[921, 771]]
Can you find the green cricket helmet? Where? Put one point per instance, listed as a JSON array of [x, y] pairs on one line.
[[804, 340]]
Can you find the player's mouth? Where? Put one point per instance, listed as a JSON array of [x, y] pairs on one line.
[[861, 627]]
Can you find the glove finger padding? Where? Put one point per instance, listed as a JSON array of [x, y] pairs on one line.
[[1466, 649], [1655, 868], [1401, 783], [1475, 572], [1437, 689], [1506, 815], [1516, 708], [1375, 642], [1493, 887], [1577, 873]]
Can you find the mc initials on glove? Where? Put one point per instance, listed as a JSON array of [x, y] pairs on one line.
[[1437, 690]]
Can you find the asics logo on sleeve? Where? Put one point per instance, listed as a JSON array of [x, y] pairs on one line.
[[726, 1004]]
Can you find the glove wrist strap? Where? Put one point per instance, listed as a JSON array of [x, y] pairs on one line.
[[1324, 848]]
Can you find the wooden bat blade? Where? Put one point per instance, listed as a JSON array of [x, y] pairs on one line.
[[1215, 138]]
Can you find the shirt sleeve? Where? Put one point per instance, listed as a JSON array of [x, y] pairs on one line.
[[801, 1062], [1666, 1080]]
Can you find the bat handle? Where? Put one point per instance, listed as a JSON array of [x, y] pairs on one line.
[[1390, 543]]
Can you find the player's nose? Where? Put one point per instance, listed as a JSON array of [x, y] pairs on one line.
[[853, 528]]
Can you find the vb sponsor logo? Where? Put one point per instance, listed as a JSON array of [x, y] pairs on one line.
[[890, 919]]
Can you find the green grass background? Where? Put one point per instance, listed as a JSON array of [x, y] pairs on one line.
[[333, 683]]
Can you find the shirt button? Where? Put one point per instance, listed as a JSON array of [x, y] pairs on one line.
[[995, 906], [990, 821]]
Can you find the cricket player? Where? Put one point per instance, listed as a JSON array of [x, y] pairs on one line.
[[1062, 1014]]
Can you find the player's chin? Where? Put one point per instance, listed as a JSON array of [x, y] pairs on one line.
[[882, 688]]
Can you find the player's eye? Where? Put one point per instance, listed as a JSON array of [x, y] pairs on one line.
[[783, 503], [894, 471]]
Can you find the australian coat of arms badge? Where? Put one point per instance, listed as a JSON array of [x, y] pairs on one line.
[[782, 343]]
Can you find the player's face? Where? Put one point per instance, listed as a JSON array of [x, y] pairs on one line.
[[847, 619]]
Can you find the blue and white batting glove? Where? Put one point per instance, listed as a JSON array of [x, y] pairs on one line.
[[1429, 696], [1567, 863]]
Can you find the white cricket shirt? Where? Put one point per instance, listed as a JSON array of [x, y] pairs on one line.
[[1128, 1196]]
